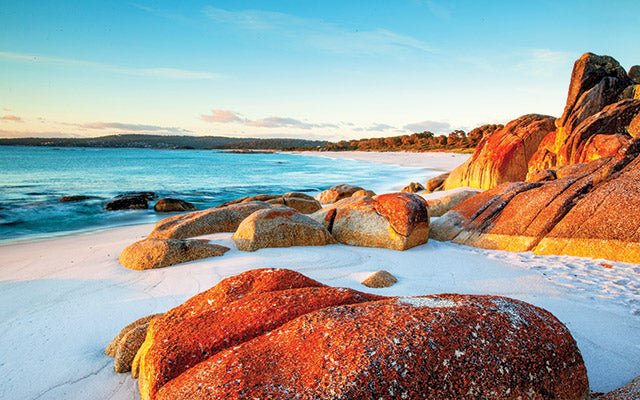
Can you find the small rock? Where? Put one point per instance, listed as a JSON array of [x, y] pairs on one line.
[[380, 279], [70, 199], [147, 195], [413, 187], [126, 344], [169, 205], [128, 203], [436, 183], [634, 74]]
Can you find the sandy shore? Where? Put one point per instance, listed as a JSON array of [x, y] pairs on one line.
[[63, 299], [432, 160]]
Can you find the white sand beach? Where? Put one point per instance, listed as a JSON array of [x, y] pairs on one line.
[[62, 300]]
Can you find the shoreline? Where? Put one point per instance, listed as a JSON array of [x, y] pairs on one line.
[[65, 298]]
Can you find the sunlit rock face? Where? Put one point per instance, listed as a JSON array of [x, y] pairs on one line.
[[503, 155]]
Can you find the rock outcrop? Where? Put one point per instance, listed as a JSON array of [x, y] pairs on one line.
[[168, 204], [274, 333], [124, 347], [128, 203], [159, 253], [396, 221], [579, 214], [280, 227], [597, 83], [503, 155], [413, 187], [212, 220], [301, 202], [337, 193], [235, 311], [439, 206], [380, 279]]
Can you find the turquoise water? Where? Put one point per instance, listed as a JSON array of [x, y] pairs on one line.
[[32, 179]]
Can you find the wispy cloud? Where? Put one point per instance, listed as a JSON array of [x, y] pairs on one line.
[[154, 72], [376, 128], [227, 116], [319, 34], [431, 126], [438, 9], [121, 126], [11, 118]]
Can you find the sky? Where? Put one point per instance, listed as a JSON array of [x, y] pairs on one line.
[[308, 69]]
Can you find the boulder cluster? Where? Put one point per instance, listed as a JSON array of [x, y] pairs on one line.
[[277, 334], [397, 221], [564, 186]]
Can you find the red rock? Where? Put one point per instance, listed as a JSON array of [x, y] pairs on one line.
[[396, 221], [434, 347], [504, 155], [237, 311], [599, 146], [630, 391]]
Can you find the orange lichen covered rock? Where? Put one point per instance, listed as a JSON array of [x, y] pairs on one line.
[[599, 146], [502, 156], [363, 192], [440, 205], [337, 193], [299, 201], [239, 310], [589, 212], [213, 220], [434, 347], [280, 227], [396, 221]]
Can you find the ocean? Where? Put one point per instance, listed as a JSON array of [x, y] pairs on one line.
[[33, 179]]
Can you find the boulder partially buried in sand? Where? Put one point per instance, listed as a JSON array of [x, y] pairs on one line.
[[380, 279], [337, 193], [158, 253], [280, 227], [396, 221], [277, 334], [413, 187], [212, 220]]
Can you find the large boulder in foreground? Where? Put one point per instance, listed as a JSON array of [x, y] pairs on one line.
[[590, 213], [280, 227], [212, 220], [300, 201], [168, 204], [502, 156], [397, 221], [337, 193], [275, 345], [235, 311], [159, 253]]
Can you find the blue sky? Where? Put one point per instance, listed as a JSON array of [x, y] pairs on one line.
[[313, 69]]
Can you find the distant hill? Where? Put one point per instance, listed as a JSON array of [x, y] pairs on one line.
[[167, 142], [425, 141]]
